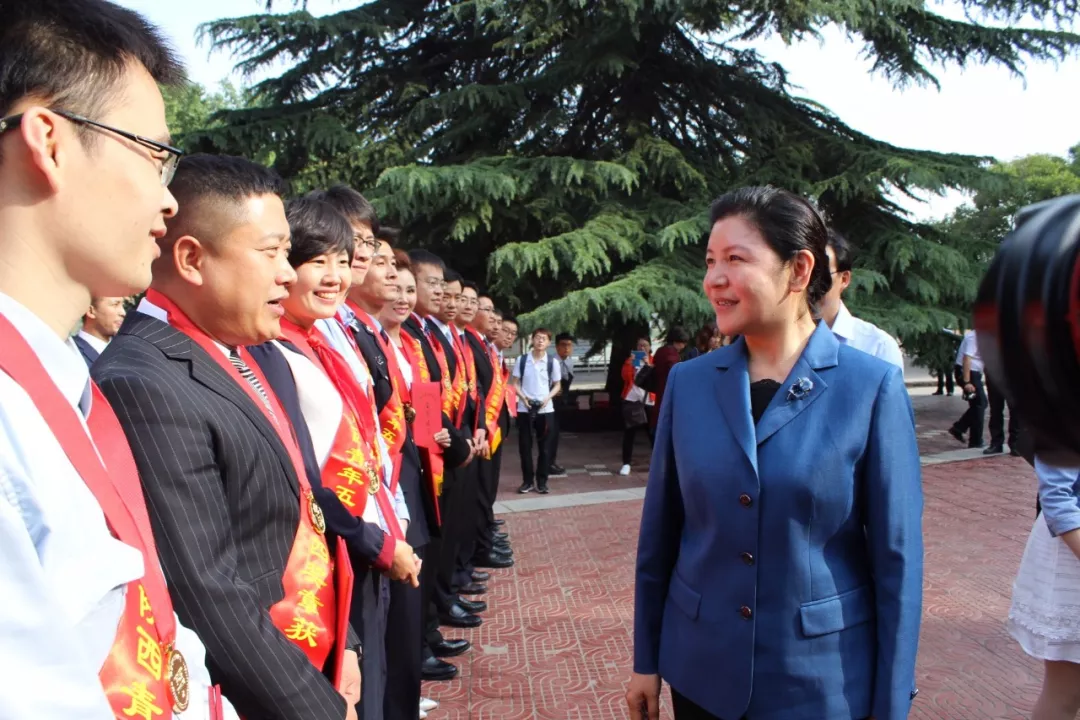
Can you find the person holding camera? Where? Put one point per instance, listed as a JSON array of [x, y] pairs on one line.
[[536, 376], [969, 374]]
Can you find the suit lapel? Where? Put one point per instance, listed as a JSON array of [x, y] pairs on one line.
[[205, 371], [733, 392], [803, 385]]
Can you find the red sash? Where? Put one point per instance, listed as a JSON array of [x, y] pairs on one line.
[[143, 672], [393, 418], [466, 359], [307, 613], [451, 393], [354, 454], [496, 397]]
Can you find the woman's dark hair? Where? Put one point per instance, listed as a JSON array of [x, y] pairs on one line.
[[354, 206], [317, 228], [788, 222]]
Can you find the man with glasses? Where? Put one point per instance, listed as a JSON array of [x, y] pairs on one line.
[[86, 618], [849, 329]]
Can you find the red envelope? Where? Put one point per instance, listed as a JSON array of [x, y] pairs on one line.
[[343, 589], [427, 401]]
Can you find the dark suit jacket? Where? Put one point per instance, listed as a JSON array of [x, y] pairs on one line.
[[224, 503], [367, 541], [458, 452], [417, 498], [469, 419], [89, 354]]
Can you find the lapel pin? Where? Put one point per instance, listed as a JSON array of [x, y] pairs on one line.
[[800, 388]]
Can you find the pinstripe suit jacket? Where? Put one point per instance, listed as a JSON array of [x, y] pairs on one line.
[[224, 503]]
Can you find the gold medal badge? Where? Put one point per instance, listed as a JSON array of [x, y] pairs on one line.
[[410, 413], [318, 520], [179, 680], [373, 484]]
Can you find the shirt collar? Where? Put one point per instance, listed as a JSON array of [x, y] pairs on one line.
[[94, 341], [60, 358], [844, 325], [346, 314], [444, 328], [148, 308]]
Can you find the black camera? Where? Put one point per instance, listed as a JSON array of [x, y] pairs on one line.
[[1027, 319]]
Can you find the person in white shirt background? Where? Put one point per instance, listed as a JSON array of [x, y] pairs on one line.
[[969, 371], [537, 377], [81, 203], [850, 330], [100, 323]]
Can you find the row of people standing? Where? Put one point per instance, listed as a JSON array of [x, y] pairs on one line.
[[249, 451]]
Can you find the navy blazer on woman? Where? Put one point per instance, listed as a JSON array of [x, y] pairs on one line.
[[779, 570]]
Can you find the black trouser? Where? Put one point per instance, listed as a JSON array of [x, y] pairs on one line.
[[974, 418], [944, 381], [429, 621], [404, 643], [368, 616], [471, 510], [489, 488], [455, 518], [553, 432], [996, 424], [527, 426], [628, 437]]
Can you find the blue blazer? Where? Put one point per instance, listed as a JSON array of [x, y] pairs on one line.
[[89, 354], [779, 569]]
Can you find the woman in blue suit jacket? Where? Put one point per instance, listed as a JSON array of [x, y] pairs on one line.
[[779, 571]]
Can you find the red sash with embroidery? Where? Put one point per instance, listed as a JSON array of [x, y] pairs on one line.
[[144, 672], [393, 418], [449, 392], [307, 613], [465, 360], [352, 468], [496, 397]]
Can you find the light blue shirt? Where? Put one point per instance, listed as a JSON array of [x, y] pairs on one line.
[[1059, 495]]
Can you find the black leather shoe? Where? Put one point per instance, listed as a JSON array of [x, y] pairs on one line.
[[957, 434], [480, 576], [451, 648], [503, 552], [503, 546], [500, 536], [994, 450], [557, 470], [435, 669], [494, 560], [473, 606], [499, 522], [525, 488], [1014, 452], [459, 617], [473, 588]]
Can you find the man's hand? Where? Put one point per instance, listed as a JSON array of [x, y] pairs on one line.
[[350, 713], [643, 697], [442, 438], [404, 568], [350, 680]]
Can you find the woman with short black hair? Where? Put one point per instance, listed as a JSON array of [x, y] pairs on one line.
[[779, 571]]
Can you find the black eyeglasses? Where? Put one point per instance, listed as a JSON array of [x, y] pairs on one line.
[[168, 165]]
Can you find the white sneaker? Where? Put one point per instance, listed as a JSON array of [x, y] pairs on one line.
[[427, 704], [624, 470], [423, 715]]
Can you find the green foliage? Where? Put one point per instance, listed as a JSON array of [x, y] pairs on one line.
[[190, 107], [567, 151]]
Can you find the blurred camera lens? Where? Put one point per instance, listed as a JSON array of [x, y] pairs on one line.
[[1027, 318]]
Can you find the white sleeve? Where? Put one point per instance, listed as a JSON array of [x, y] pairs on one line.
[[45, 675]]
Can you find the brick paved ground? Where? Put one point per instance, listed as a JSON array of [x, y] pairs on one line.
[[556, 639]]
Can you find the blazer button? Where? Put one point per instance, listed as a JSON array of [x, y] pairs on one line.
[[745, 500], [746, 612], [747, 558]]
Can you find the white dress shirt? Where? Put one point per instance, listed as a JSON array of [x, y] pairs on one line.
[[969, 347], [62, 573], [94, 341], [536, 383], [868, 337]]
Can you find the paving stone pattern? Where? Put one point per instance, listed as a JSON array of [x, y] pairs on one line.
[[556, 641]]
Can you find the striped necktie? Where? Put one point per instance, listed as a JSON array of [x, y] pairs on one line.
[[251, 378]]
